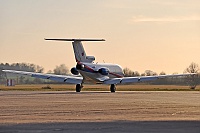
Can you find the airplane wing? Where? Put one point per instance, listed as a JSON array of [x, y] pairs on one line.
[[125, 80], [59, 78]]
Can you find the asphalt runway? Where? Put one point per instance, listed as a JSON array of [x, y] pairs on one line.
[[135, 111]]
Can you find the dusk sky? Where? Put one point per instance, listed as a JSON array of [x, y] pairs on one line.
[[156, 35]]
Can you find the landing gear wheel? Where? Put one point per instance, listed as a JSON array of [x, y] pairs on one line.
[[112, 88], [78, 87]]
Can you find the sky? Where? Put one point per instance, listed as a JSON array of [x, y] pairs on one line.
[[155, 35]]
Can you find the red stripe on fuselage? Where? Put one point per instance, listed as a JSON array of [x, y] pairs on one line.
[[117, 75], [88, 68]]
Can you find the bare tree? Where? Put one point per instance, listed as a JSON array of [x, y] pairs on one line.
[[162, 73], [150, 73], [136, 74], [50, 72], [61, 70], [193, 68], [192, 79], [129, 73], [39, 69]]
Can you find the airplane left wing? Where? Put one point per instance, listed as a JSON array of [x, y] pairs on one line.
[[125, 80], [59, 78]]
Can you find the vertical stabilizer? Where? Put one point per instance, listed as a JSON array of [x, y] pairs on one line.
[[79, 51]]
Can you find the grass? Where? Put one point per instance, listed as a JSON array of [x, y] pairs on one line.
[[64, 87]]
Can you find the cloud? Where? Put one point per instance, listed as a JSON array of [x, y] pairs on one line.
[[137, 19]]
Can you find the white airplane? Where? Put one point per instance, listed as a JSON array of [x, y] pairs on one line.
[[96, 73]]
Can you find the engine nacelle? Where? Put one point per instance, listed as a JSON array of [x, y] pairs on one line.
[[80, 66], [74, 71], [90, 58], [104, 71]]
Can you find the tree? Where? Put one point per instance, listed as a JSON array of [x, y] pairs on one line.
[[150, 73], [61, 70], [129, 73], [50, 72], [39, 69], [192, 79], [193, 68], [143, 74], [22, 67], [2, 76], [162, 73], [136, 74]]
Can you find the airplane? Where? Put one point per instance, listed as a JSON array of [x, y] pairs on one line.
[[93, 73]]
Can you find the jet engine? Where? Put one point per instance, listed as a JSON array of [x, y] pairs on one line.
[[80, 66], [74, 71], [104, 71]]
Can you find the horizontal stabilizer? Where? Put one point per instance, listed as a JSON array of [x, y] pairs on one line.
[[75, 39]]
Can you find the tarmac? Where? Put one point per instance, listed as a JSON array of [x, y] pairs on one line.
[[130, 111]]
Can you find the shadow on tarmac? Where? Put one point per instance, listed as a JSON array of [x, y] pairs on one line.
[[99, 127]]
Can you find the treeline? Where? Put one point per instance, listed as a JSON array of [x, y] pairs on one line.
[[63, 70], [22, 67]]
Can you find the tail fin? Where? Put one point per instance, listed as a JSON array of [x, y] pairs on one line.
[[79, 51]]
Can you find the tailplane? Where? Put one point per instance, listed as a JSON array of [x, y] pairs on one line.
[[79, 51]]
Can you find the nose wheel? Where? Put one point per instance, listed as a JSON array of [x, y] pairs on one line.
[[78, 87], [112, 88]]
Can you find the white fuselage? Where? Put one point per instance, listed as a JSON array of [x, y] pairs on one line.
[[91, 72]]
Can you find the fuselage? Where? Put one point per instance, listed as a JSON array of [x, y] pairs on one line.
[[92, 72]]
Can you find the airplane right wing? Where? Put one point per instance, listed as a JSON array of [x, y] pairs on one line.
[[126, 80], [59, 78]]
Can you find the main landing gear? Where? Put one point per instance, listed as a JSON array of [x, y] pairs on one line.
[[79, 87], [112, 88]]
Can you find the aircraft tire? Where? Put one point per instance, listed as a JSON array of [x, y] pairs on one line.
[[78, 87], [112, 88]]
